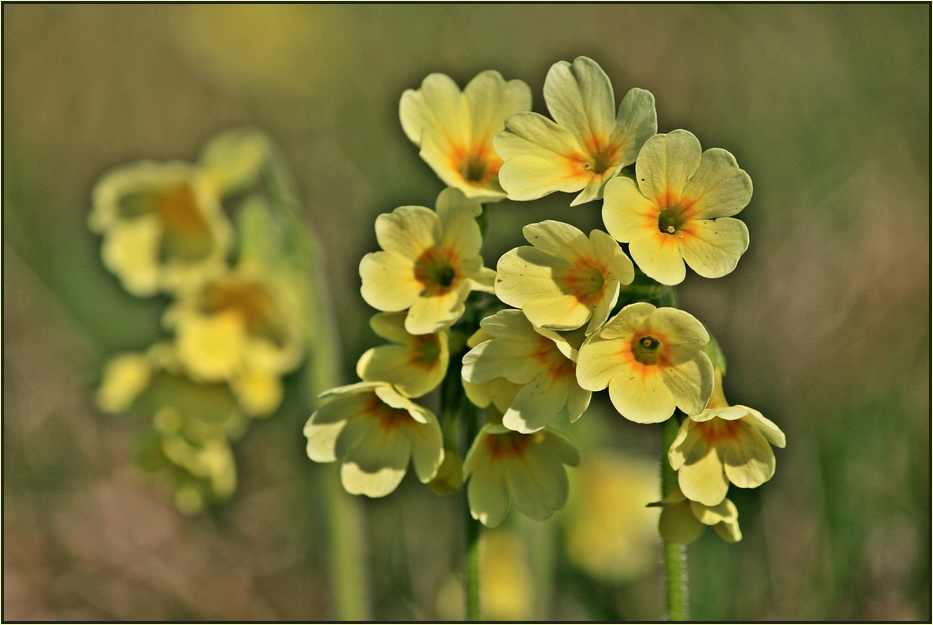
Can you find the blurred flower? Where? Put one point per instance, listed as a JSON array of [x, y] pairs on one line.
[[586, 147], [431, 262], [608, 530], [527, 469], [163, 226], [235, 159], [242, 328], [414, 364], [682, 521], [652, 360], [372, 430], [680, 209], [723, 444], [125, 377], [540, 361], [454, 130], [566, 279]]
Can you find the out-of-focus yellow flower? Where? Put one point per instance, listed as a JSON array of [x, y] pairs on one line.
[[372, 430], [527, 469], [235, 159], [608, 530], [540, 361], [210, 459], [652, 360], [414, 364], [241, 328], [680, 209], [454, 130], [682, 521], [565, 279], [586, 147], [125, 377], [723, 444], [163, 226], [430, 262]]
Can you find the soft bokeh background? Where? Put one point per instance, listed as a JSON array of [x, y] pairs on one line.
[[826, 321]]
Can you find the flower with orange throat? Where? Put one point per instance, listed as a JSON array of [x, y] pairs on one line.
[[527, 469], [680, 209], [682, 521], [586, 147], [430, 262], [723, 444], [454, 130], [540, 361], [565, 279], [373, 430], [414, 364], [652, 360]]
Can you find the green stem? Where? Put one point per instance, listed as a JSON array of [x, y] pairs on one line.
[[471, 583], [345, 525], [675, 563]]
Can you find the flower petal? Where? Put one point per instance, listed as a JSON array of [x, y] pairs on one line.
[[767, 427], [718, 188], [377, 484], [537, 483], [690, 379], [578, 400], [640, 395], [678, 524], [580, 98], [713, 247], [665, 164], [408, 230], [130, 250], [636, 122], [322, 440], [536, 404], [658, 255], [391, 326], [432, 313], [701, 478], [748, 459], [458, 215], [438, 107], [427, 449], [389, 281], [491, 100], [559, 446], [626, 212], [487, 493]]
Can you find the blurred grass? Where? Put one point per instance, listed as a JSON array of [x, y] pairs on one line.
[[826, 321]]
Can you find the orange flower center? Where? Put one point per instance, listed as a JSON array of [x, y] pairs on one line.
[[507, 445], [252, 301], [427, 351], [717, 429], [674, 214], [602, 155], [389, 418], [436, 270], [186, 233], [477, 164], [585, 281], [647, 350], [549, 356]]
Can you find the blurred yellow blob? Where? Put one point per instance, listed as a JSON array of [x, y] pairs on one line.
[[125, 377], [608, 531]]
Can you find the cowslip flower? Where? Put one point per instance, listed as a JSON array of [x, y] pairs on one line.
[[652, 360], [162, 224], [540, 361], [430, 262], [682, 520], [586, 147], [723, 444], [414, 364], [527, 469], [242, 328], [565, 279], [125, 377], [680, 210], [454, 130], [373, 430], [497, 393]]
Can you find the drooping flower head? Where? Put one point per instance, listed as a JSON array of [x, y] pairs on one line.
[[527, 469], [652, 360], [565, 279], [241, 328], [540, 361], [414, 364], [430, 262], [586, 147], [373, 430], [682, 520], [454, 130], [163, 226], [680, 210], [723, 444]]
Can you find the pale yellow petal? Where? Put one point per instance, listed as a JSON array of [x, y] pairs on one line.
[[433, 313], [537, 483], [580, 98], [642, 398], [395, 364], [408, 230], [690, 377], [427, 449], [536, 404], [702, 478], [597, 362], [767, 427], [373, 445], [678, 524], [389, 281], [526, 274], [491, 100], [558, 239], [322, 440], [713, 247], [458, 214], [130, 250], [636, 122], [626, 212], [665, 164], [487, 494], [578, 400], [211, 348], [391, 326], [658, 255], [377, 484], [258, 392], [718, 188], [748, 459], [438, 106], [729, 532], [125, 377], [552, 442], [724, 511]]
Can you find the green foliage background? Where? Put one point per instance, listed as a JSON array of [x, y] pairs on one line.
[[826, 321]]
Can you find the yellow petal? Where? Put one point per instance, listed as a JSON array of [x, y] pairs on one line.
[[389, 281], [718, 188], [258, 391], [712, 248], [408, 230], [580, 98], [748, 459], [636, 122], [125, 377], [130, 250], [658, 255], [678, 524], [377, 484], [322, 440], [767, 427], [439, 107], [433, 313], [641, 397], [427, 449], [491, 100], [211, 348], [702, 478], [665, 164], [690, 379], [626, 212], [536, 404]]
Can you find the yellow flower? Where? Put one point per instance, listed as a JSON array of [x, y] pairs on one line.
[[241, 328], [682, 521], [608, 530], [565, 279], [680, 209], [497, 392], [652, 360], [125, 377], [586, 147], [527, 469], [723, 444], [454, 130], [163, 226], [414, 364], [431, 262], [372, 430], [540, 361]]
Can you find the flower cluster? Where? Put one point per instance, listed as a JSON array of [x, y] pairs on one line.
[[588, 312], [233, 329]]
